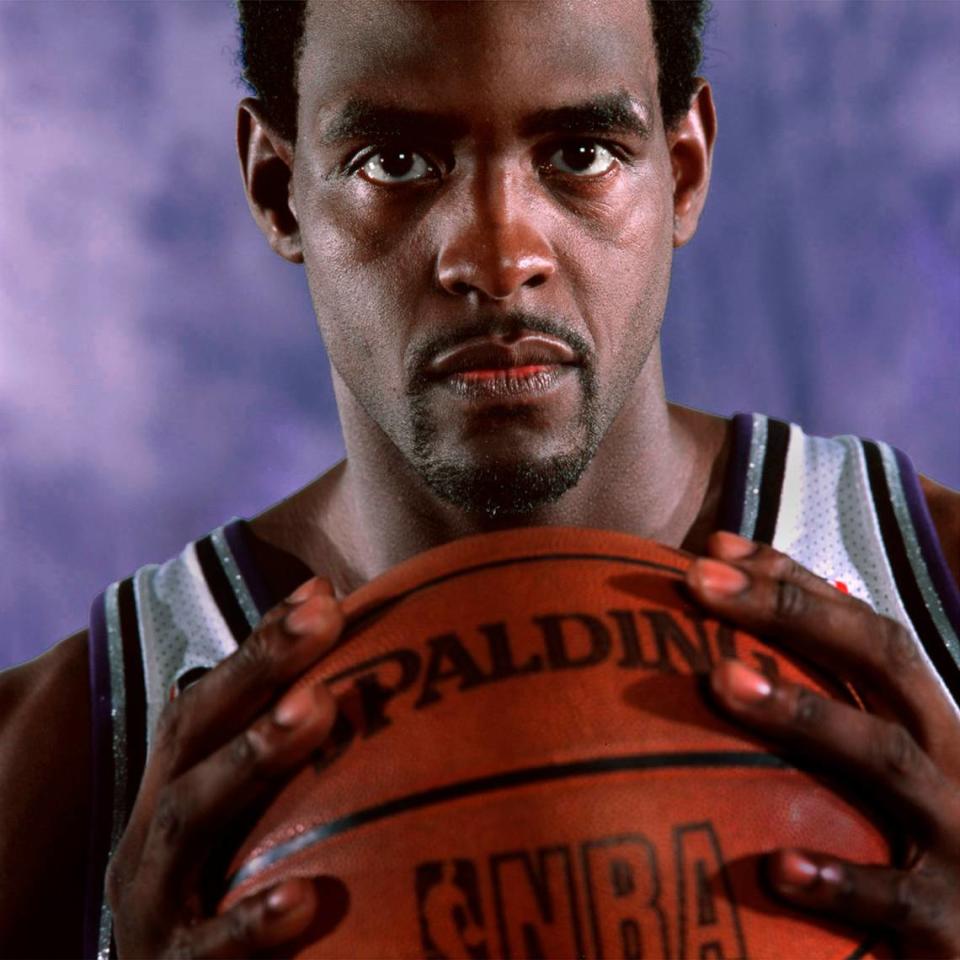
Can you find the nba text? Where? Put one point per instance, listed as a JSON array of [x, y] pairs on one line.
[[611, 897]]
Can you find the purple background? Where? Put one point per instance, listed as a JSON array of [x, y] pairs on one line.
[[160, 370]]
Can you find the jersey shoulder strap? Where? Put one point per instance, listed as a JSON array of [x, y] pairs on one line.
[[151, 635], [851, 510]]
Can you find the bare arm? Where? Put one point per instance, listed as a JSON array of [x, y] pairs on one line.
[[44, 802], [216, 753]]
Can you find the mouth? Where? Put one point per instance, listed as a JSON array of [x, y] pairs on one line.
[[489, 368]]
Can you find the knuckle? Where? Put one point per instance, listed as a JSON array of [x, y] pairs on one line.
[[246, 753], [169, 726], [256, 655], [274, 615], [791, 601], [808, 708], [899, 649], [240, 925], [782, 567], [932, 897], [169, 821], [895, 750]]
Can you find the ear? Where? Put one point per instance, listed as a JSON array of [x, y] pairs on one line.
[[691, 154], [266, 160]]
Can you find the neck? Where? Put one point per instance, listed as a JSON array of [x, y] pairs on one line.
[[655, 474]]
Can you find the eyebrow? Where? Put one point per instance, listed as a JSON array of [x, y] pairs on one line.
[[360, 119], [607, 113]]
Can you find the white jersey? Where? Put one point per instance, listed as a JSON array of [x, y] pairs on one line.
[[851, 510]]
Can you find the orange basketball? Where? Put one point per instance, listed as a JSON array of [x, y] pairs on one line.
[[525, 765]]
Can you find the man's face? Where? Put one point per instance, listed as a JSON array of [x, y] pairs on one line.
[[485, 201]]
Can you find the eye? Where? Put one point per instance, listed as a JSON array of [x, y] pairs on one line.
[[396, 165], [582, 158]]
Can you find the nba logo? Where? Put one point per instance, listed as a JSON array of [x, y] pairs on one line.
[[450, 911]]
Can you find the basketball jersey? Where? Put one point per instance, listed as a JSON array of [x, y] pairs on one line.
[[851, 510]]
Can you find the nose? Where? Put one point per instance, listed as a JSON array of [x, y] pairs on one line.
[[496, 246]]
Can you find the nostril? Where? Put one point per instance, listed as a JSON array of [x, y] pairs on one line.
[[535, 280], [461, 288]]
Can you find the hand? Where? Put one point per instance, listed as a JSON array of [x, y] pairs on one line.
[[220, 747], [905, 749]]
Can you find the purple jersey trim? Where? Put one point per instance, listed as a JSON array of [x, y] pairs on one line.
[[735, 479], [102, 799], [237, 535], [929, 541]]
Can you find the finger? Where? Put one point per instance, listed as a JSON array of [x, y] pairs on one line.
[[761, 558], [915, 904], [256, 925], [191, 810], [772, 596], [225, 701], [873, 753]]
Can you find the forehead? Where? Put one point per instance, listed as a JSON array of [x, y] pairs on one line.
[[475, 55]]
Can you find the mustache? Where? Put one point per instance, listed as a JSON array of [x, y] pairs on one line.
[[502, 325]]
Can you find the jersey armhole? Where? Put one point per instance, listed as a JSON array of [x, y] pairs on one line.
[[733, 494], [928, 540], [101, 784]]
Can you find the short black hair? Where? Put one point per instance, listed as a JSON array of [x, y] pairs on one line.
[[271, 40]]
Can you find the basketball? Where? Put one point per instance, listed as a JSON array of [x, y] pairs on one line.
[[525, 765]]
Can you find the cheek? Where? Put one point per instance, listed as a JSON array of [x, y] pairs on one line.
[[358, 274], [619, 269], [352, 227], [352, 317], [642, 233]]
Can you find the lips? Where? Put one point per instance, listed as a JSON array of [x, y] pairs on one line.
[[481, 354]]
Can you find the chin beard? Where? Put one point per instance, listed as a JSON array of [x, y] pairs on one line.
[[506, 489]]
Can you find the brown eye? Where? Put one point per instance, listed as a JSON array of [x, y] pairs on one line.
[[582, 158], [396, 165]]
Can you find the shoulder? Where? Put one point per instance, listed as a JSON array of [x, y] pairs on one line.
[[44, 810], [944, 506], [45, 707]]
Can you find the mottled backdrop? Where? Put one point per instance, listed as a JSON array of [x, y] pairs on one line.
[[159, 367]]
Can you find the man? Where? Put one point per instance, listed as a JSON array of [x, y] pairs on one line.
[[485, 199]]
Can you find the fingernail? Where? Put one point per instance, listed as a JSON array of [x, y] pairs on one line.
[[734, 681], [795, 870], [719, 578], [294, 708], [309, 617], [831, 873], [734, 546], [303, 592], [284, 897]]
